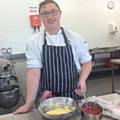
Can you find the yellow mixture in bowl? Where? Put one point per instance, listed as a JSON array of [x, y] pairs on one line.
[[58, 111]]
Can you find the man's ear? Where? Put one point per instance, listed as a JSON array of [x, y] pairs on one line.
[[60, 12]]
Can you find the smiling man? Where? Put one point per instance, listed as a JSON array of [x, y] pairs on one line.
[[58, 61]]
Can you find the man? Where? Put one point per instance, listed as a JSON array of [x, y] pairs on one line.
[[55, 59]]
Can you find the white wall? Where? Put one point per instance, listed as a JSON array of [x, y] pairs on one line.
[[90, 18], [14, 24]]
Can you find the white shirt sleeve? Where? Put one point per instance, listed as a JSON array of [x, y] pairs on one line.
[[34, 52], [82, 51]]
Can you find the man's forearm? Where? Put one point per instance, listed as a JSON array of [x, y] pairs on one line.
[[33, 76], [85, 71]]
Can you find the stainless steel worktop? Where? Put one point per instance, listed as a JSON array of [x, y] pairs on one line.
[[35, 115], [17, 56], [104, 50]]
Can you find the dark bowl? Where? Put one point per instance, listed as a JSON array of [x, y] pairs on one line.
[[91, 111], [10, 97], [57, 103]]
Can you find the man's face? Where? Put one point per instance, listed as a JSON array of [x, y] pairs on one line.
[[50, 16]]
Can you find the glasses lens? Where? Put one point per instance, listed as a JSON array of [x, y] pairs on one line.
[[44, 13], [53, 12]]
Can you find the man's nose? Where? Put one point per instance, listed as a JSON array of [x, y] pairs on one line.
[[49, 15]]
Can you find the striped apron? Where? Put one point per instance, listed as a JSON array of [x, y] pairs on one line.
[[59, 72]]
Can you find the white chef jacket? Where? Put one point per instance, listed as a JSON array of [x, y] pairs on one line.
[[35, 43]]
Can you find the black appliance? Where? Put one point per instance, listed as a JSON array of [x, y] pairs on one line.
[[9, 88]]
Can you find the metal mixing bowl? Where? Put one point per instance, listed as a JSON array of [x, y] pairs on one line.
[[46, 106], [91, 111]]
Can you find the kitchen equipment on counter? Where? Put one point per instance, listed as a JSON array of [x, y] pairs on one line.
[[9, 98], [9, 89], [58, 108], [91, 111], [5, 68]]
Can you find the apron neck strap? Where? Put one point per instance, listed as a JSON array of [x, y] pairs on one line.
[[65, 37], [45, 41]]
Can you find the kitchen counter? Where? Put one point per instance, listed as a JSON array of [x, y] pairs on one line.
[[35, 115], [104, 50], [101, 57], [14, 56]]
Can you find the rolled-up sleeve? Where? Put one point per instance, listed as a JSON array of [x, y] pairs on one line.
[[33, 53], [83, 52]]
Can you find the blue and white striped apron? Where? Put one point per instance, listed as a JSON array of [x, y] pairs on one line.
[[59, 72]]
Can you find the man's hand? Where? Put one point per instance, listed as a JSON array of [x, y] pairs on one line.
[[46, 94], [81, 88], [84, 73], [23, 109]]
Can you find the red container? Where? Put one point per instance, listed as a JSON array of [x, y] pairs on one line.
[[91, 111]]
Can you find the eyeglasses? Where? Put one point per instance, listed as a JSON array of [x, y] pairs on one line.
[[53, 12]]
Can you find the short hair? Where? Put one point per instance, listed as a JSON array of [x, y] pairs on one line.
[[45, 2]]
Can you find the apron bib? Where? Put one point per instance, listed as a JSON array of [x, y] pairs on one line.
[[59, 72]]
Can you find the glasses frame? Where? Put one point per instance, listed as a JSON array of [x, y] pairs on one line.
[[53, 12]]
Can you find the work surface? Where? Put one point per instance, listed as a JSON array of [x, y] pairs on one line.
[[35, 115]]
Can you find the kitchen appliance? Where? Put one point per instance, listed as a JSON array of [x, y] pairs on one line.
[[9, 88]]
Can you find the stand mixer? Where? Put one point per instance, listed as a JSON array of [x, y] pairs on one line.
[[9, 89]]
